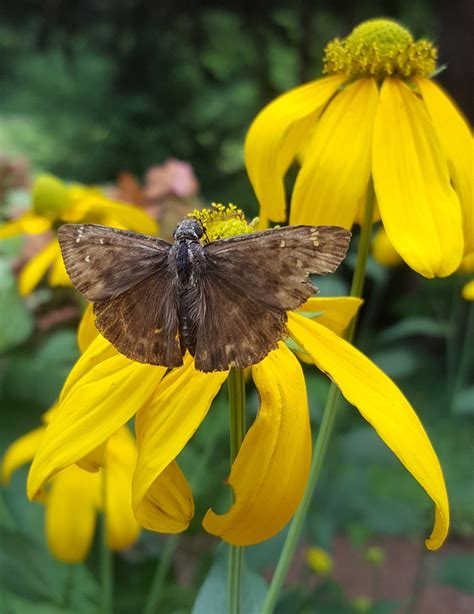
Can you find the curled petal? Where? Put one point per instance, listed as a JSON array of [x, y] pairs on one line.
[[95, 406], [20, 452], [419, 208], [335, 313], [121, 456], [337, 166], [71, 512], [168, 505], [275, 137], [34, 270], [164, 425], [382, 404], [456, 139], [28, 223], [270, 472]]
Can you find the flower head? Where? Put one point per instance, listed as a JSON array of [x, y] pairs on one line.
[[73, 496], [105, 389], [376, 116], [53, 203]]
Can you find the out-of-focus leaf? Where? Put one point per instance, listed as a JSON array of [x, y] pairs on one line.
[[16, 322], [457, 570], [24, 568], [397, 362], [464, 401], [213, 596], [409, 327]]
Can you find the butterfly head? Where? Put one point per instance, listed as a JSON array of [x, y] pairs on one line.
[[189, 229]]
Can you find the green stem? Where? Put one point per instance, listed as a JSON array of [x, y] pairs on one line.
[[466, 355], [327, 423], [236, 384], [106, 558]]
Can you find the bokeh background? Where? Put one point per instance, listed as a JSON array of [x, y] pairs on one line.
[[101, 91]]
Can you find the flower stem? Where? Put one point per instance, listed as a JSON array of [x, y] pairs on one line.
[[236, 384], [327, 423], [106, 560]]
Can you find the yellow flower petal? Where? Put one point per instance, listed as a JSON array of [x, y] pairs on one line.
[[20, 452], [58, 275], [96, 405], [34, 270], [456, 139], [419, 208], [383, 251], [335, 313], [168, 505], [383, 405], [28, 223], [71, 513], [164, 425], [86, 332], [468, 291], [121, 456], [336, 170], [275, 137], [94, 460], [270, 472]]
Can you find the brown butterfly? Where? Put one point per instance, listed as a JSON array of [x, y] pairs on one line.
[[225, 302]]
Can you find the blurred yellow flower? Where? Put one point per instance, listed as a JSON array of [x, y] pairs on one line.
[[383, 251], [104, 390], [376, 115], [467, 267], [74, 496], [319, 560], [53, 203]]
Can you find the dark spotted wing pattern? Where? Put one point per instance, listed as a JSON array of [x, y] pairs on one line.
[[128, 278], [250, 282]]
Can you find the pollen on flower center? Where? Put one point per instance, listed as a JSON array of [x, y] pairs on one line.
[[221, 222], [380, 48]]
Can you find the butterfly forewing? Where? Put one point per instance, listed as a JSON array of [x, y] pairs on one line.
[[128, 278]]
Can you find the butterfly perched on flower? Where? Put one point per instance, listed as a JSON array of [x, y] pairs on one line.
[[224, 301]]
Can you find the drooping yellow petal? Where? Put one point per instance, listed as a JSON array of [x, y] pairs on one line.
[[168, 505], [336, 169], [94, 460], [86, 332], [34, 270], [58, 275], [121, 456], [275, 137], [164, 425], [383, 405], [28, 223], [419, 208], [270, 472], [20, 452], [468, 291], [456, 139], [71, 511], [95, 406], [335, 313]]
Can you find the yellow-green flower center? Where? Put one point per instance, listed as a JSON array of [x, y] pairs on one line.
[[221, 222], [380, 48], [50, 196]]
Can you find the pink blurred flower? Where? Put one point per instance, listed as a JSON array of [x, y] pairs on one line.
[[174, 177]]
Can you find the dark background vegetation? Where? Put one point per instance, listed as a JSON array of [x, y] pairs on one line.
[[92, 88]]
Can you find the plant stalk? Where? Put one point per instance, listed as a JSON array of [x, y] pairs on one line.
[[106, 555], [236, 385], [327, 424]]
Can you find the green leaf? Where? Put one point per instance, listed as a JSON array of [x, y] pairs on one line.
[[213, 596], [25, 568], [16, 323], [413, 326], [464, 402], [457, 570]]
